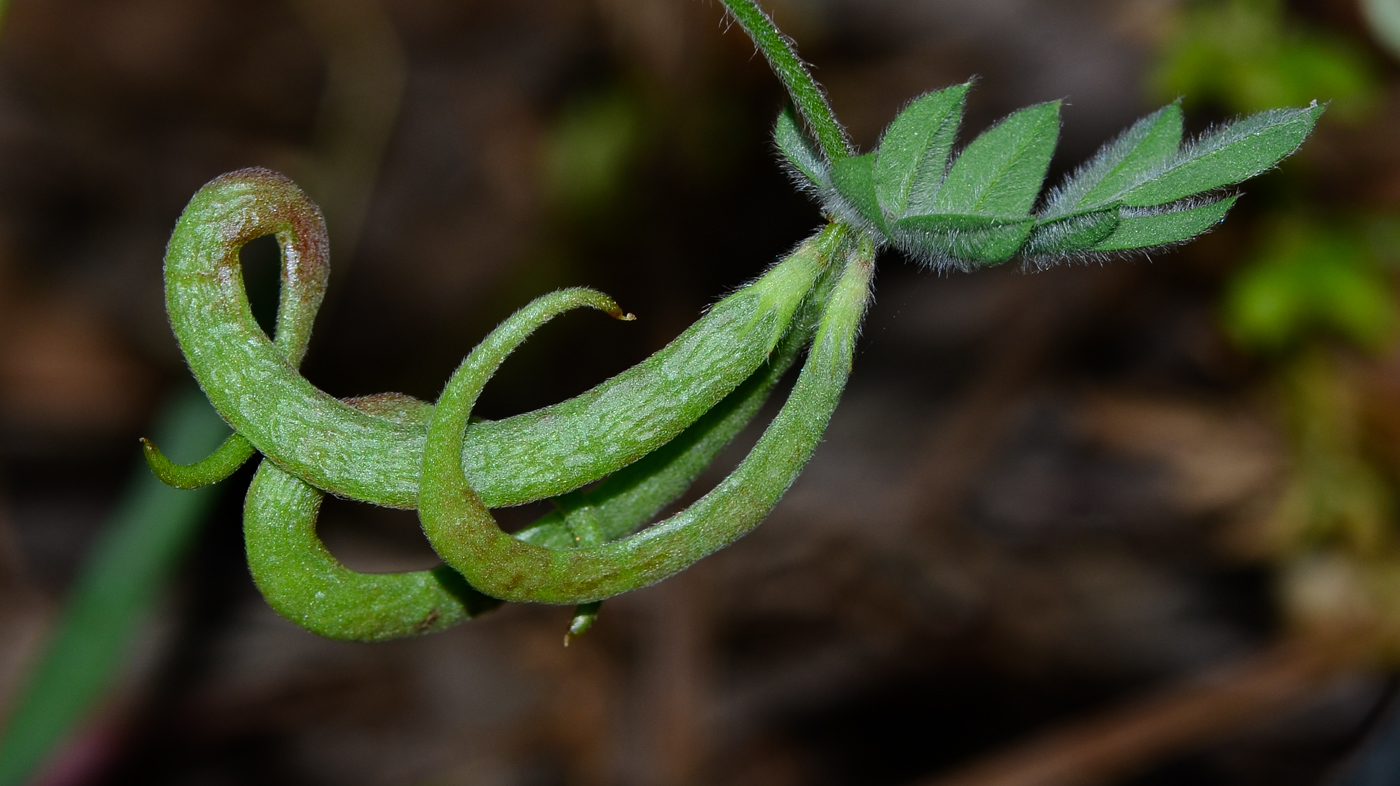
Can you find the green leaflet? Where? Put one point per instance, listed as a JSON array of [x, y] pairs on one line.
[[854, 179], [913, 154], [1121, 164], [539, 454], [1072, 233], [979, 239], [1001, 172], [1226, 156], [1145, 231], [465, 535], [798, 150]]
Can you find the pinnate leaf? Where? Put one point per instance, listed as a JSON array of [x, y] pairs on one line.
[[913, 155], [1001, 172], [1134, 194]]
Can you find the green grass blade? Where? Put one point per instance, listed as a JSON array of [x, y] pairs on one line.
[[128, 567]]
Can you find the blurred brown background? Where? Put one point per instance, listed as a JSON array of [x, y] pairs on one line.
[[1041, 499]]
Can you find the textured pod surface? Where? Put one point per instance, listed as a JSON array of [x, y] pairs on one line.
[[307, 585], [338, 449], [466, 536]]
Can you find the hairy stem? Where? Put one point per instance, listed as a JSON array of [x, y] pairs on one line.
[[805, 92]]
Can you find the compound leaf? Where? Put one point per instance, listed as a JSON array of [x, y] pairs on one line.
[[854, 179], [797, 149], [1001, 172], [1158, 229], [979, 239], [1227, 155], [913, 154], [1121, 164]]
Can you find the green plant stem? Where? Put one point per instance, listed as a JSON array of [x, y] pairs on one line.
[[805, 92], [132, 561]]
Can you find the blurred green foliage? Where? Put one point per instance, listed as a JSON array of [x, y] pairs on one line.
[[1337, 497], [1248, 55], [1318, 285], [1311, 279], [591, 149]]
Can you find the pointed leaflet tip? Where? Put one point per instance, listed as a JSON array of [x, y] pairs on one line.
[[913, 154], [1228, 155], [1001, 172], [1121, 164], [797, 149]]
